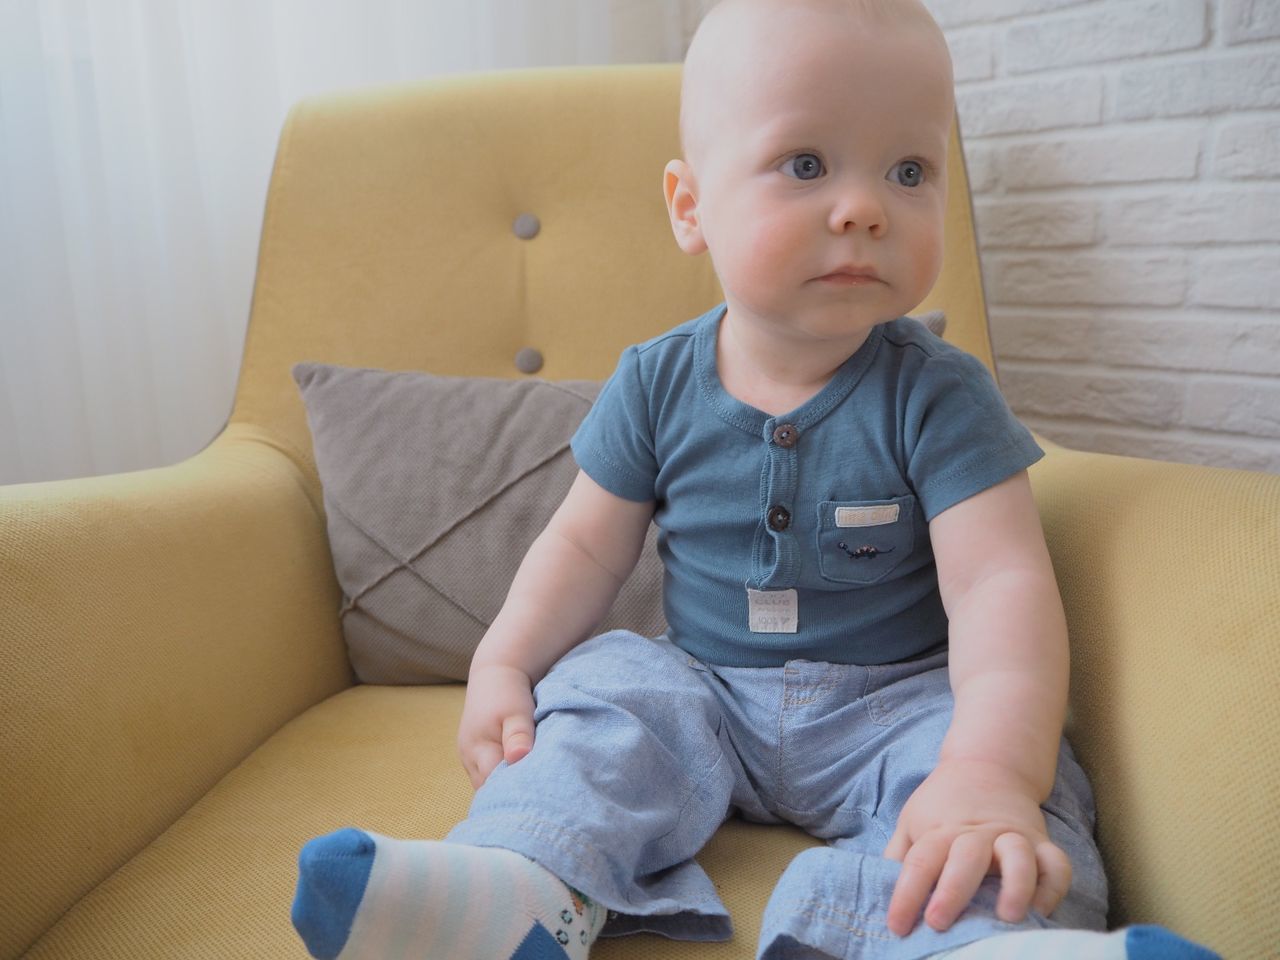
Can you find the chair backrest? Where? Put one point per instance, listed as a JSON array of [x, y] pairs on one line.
[[391, 234]]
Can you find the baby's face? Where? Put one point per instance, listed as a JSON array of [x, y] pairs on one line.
[[817, 148]]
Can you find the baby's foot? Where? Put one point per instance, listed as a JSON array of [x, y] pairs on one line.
[[1130, 943], [361, 895]]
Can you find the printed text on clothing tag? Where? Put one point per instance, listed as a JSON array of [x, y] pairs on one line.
[[772, 611]]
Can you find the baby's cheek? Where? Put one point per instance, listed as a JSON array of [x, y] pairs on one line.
[[924, 259], [773, 242]]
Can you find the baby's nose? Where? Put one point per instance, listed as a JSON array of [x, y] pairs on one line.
[[858, 207]]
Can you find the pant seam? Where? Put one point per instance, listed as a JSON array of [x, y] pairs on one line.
[[693, 794], [832, 916]]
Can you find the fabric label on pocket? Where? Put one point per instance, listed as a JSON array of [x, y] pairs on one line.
[[773, 611], [876, 516]]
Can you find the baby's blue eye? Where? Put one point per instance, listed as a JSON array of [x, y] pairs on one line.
[[804, 166], [909, 173]]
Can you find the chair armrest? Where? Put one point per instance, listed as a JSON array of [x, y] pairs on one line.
[[1171, 579], [156, 627]]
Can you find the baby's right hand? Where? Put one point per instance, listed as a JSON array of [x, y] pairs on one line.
[[497, 720]]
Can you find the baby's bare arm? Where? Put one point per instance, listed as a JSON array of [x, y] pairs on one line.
[[1008, 634], [565, 585], [979, 809]]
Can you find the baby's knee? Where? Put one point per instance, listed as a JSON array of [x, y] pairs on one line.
[[641, 675], [620, 656]]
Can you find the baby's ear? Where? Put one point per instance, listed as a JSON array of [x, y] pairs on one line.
[[682, 206]]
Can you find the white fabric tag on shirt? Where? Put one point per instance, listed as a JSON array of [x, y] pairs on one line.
[[867, 516], [772, 611]]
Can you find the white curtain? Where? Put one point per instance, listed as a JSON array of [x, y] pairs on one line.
[[136, 141]]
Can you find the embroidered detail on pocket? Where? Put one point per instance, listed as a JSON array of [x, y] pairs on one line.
[[867, 552], [867, 516]]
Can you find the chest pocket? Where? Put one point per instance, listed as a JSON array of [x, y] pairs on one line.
[[863, 541]]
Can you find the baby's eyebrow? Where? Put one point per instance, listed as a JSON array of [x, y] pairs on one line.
[[775, 141], [796, 125]]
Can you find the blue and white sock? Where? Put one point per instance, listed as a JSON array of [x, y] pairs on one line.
[[361, 896], [1130, 943]]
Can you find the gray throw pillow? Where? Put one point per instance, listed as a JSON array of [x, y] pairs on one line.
[[434, 488]]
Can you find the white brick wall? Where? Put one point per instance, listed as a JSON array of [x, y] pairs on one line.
[[1125, 165]]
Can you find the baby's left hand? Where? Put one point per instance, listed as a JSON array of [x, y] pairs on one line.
[[965, 821]]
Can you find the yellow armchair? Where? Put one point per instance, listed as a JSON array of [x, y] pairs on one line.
[[177, 715]]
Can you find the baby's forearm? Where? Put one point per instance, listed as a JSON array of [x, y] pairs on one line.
[[1009, 674]]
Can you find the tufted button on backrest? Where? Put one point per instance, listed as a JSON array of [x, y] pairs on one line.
[[529, 360], [526, 226]]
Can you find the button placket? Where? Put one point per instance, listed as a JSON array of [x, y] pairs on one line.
[[779, 482]]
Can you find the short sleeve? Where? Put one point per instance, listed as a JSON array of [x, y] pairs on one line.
[[614, 444], [960, 435]]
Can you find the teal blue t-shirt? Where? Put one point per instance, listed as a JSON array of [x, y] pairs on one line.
[[803, 536]]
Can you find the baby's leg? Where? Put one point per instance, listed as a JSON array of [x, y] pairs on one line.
[[833, 901], [625, 783]]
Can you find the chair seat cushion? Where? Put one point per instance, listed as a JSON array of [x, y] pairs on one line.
[[220, 881]]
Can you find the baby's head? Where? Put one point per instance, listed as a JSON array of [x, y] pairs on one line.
[[815, 140]]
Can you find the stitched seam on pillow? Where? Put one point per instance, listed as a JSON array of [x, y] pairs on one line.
[[351, 608], [405, 564], [352, 600]]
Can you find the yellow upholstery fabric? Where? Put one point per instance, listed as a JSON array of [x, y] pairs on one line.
[[176, 711], [1171, 580], [361, 757], [155, 627]]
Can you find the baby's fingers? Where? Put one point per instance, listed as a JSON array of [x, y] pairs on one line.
[[480, 760], [1017, 862], [921, 865], [1055, 877], [517, 737], [967, 863]]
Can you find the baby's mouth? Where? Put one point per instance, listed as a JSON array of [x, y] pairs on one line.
[[851, 277]]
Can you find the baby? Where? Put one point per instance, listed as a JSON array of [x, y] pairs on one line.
[[866, 637]]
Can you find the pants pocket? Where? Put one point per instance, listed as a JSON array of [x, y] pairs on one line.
[[896, 691]]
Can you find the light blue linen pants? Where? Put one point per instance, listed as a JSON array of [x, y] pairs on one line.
[[641, 752]]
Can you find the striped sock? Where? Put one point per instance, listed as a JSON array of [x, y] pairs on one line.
[[1130, 943], [361, 895]]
